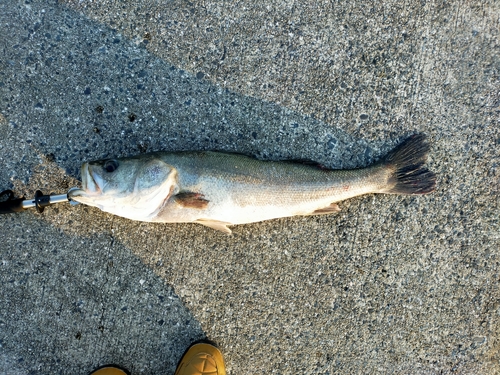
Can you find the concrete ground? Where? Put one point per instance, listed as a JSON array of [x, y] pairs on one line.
[[390, 285]]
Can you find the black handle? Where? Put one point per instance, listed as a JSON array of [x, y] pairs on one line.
[[10, 205]]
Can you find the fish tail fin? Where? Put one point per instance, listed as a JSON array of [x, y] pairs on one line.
[[409, 176]]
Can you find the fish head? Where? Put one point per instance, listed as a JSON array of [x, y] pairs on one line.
[[134, 187]]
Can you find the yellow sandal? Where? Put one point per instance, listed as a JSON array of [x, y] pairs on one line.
[[110, 370], [201, 359]]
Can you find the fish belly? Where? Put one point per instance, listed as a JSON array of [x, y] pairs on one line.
[[240, 203]]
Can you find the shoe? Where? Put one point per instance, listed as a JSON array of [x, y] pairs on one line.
[[201, 359], [109, 370]]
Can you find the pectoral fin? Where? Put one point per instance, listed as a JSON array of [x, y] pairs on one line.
[[326, 210], [191, 200], [214, 224]]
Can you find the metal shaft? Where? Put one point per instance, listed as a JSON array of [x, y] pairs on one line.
[[29, 203]]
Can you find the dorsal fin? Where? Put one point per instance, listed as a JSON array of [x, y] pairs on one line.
[[307, 162]]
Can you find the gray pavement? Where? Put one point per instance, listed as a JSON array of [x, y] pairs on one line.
[[391, 284]]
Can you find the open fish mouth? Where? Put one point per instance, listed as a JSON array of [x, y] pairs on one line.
[[90, 181], [90, 186], [94, 181]]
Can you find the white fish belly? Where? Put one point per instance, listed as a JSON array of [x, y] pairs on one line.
[[228, 208]]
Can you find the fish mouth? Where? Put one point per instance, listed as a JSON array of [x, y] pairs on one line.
[[90, 182]]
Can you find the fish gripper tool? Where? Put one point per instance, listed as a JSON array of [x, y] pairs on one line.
[[10, 204]]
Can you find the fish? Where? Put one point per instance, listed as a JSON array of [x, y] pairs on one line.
[[220, 190]]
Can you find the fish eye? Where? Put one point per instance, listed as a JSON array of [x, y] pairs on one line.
[[110, 165]]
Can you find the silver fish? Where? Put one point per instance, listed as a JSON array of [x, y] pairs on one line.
[[218, 189]]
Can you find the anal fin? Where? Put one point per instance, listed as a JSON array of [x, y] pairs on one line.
[[333, 207], [214, 224]]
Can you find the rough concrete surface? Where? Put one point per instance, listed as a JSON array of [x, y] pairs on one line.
[[391, 284]]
